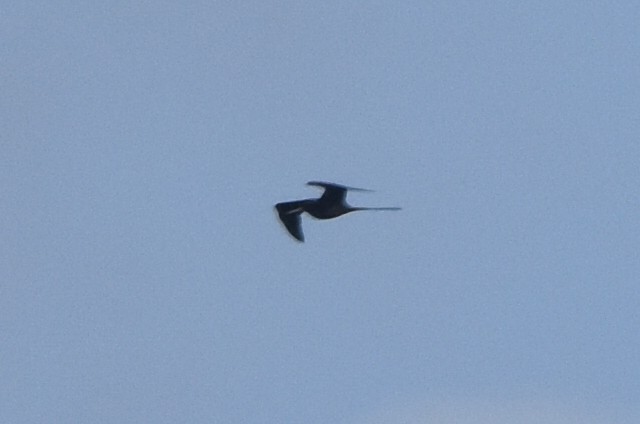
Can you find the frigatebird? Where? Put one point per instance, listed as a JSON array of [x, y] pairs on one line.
[[331, 204]]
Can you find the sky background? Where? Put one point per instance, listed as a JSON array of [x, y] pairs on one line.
[[145, 278]]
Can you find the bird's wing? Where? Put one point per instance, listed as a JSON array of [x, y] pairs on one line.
[[289, 213], [334, 193]]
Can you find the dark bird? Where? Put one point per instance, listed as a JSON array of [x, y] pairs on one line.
[[331, 204]]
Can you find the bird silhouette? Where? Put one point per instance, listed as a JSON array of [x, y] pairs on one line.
[[331, 204]]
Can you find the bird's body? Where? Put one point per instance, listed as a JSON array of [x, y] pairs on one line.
[[331, 204]]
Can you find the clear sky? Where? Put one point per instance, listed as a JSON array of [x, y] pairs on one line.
[[145, 278]]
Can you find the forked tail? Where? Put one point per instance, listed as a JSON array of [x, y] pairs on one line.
[[378, 209]]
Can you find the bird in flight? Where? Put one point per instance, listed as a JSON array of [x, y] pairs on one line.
[[331, 204]]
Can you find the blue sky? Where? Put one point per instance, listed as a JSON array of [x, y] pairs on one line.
[[144, 277]]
